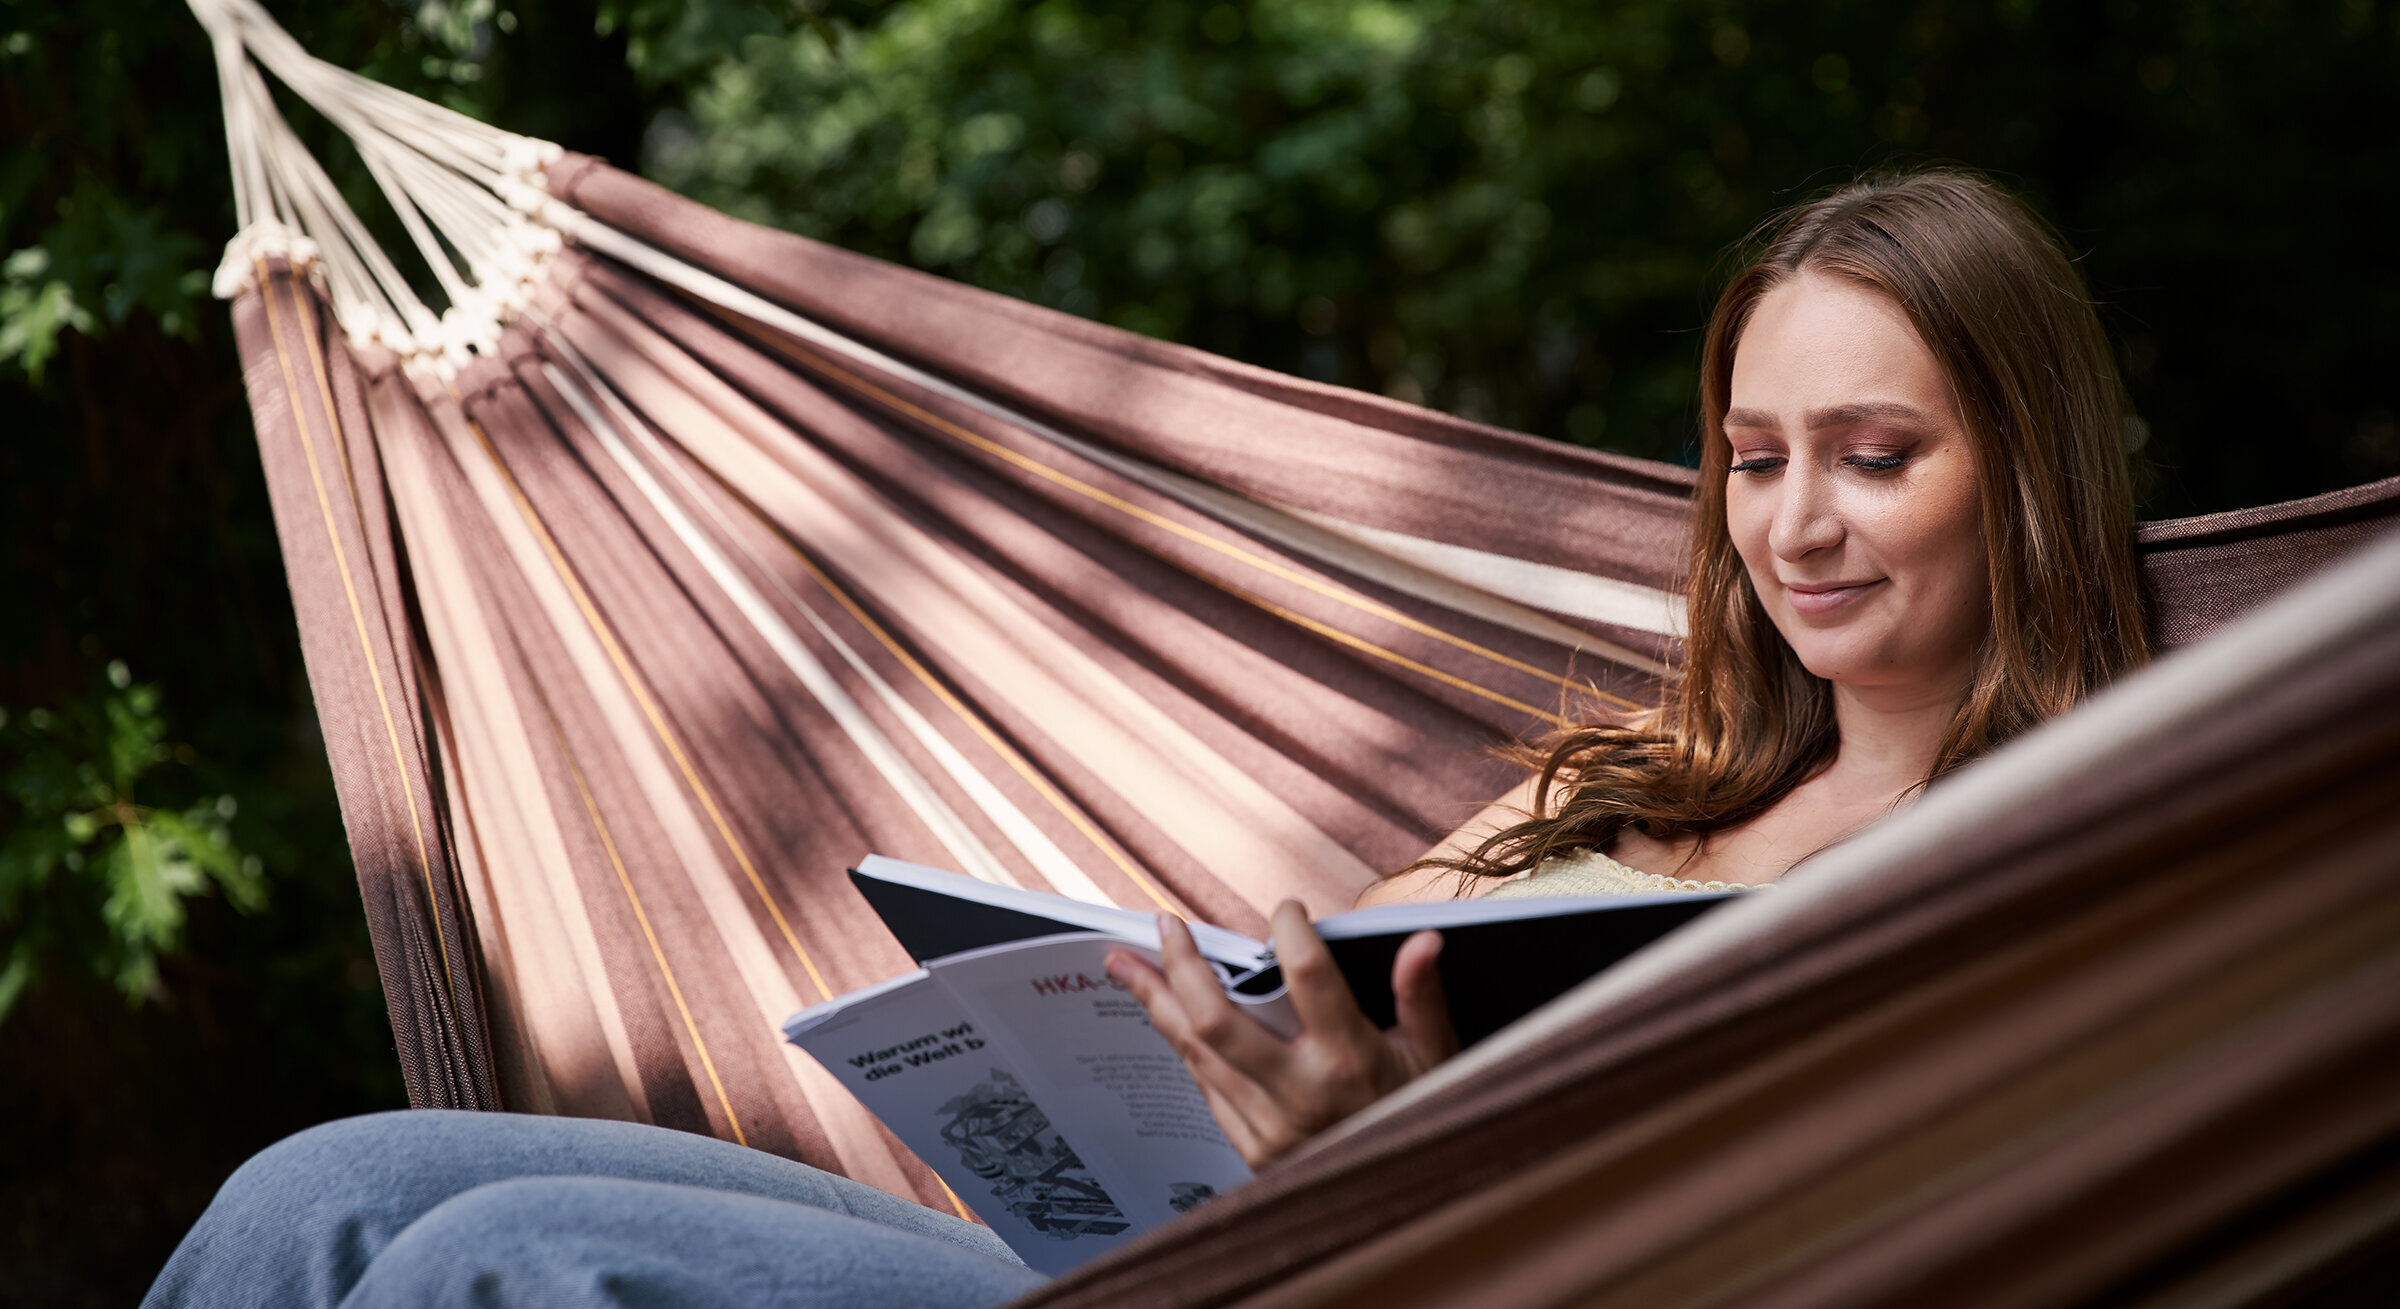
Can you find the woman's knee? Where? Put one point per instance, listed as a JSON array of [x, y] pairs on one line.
[[349, 1154], [313, 1209], [594, 1241], [419, 1157], [342, 1189], [501, 1243]]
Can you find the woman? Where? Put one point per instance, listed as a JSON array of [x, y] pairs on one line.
[[1913, 540]]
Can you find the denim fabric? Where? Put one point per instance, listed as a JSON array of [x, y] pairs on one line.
[[430, 1207]]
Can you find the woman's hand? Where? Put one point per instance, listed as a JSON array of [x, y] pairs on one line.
[[1270, 1092]]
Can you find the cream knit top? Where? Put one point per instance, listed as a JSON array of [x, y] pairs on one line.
[[1589, 872]]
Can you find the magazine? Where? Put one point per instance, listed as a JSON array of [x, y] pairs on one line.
[[1015, 1067]]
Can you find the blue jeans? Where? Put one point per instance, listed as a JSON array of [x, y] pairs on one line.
[[431, 1207]]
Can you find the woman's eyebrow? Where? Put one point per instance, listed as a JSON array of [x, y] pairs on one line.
[[1845, 415], [1758, 418]]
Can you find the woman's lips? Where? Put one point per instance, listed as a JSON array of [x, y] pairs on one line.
[[1814, 600]]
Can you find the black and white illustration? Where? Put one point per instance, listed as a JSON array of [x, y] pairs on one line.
[[1184, 1197], [1003, 1137]]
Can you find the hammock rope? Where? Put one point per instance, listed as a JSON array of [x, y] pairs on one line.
[[446, 176]]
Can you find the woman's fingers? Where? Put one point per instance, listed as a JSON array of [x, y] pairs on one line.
[[1168, 1016], [1425, 1034], [1214, 1018], [1253, 1121], [1340, 1062], [1320, 994], [1270, 1093], [1235, 1124]]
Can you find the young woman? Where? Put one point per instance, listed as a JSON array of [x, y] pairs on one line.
[[1913, 539]]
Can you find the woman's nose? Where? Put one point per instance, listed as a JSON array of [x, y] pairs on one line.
[[1807, 519]]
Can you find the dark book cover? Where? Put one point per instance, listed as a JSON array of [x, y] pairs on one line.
[[1501, 959], [1496, 972], [931, 924]]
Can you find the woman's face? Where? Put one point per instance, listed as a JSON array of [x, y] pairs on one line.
[[1852, 498]]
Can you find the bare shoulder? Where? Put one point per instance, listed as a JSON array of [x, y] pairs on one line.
[[1442, 884]]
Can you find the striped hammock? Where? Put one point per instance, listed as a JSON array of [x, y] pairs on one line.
[[678, 562]]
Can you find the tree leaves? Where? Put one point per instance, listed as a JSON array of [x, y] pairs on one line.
[[1511, 209], [88, 874], [34, 308], [1515, 209]]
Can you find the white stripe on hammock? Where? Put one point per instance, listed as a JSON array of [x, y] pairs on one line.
[[1054, 864], [1626, 604]]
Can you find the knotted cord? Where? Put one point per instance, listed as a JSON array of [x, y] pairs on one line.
[[468, 194]]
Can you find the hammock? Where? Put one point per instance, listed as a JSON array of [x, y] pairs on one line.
[[679, 562]]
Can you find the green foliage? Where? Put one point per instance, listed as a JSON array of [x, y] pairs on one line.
[[135, 517], [669, 42], [114, 196], [88, 181], [1511, 209], [1514, 209], [1368, 191], [96, 255], [87, 871], [34, 309]]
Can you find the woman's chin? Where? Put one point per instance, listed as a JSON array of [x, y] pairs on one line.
[[1839, 646], [1847, 662]]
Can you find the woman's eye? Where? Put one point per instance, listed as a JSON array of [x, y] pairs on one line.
[[1876, 463], [1757, 464]]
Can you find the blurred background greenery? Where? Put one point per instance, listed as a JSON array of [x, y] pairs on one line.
[[1510, 209]]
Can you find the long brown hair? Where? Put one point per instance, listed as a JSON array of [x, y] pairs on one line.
[[1991, 293]]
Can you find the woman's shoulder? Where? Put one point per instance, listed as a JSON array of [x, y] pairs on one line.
[[1440, 882], [1593, 872]]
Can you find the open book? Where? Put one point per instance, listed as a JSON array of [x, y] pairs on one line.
[[1014, 1067]]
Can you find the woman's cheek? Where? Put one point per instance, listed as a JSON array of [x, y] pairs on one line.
[[1952, 549], [1746, 517]]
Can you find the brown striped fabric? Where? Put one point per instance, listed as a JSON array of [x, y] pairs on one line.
[[744, 556], [682, 612], [365, 666]]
